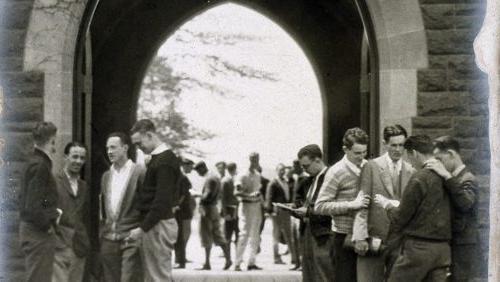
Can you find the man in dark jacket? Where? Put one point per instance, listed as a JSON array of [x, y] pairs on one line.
[[230, 205], [72, 244], [463, 190], [278, 191], [38, 206], [423, 218], [210, 229], [184, 214], [315, 230], [158, 227]]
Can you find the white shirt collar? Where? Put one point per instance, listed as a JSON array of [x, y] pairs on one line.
[[390, 163], [457, 171], [126, 166], [160, 149], [352, 166]]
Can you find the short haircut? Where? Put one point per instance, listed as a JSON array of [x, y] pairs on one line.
[[43, 131], [312, 151], [72, 144], [122, 136], [221, 163], [354, 135], [445, 143], [143, 126], [200, 164], [186, 161], [231, 167], [420, 143], [394, 130]]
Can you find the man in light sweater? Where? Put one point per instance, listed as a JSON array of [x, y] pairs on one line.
[[340, 199]]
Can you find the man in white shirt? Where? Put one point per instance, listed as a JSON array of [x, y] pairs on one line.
[[249, 213], [120, 258]]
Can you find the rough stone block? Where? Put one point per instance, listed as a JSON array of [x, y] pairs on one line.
[[479, 110], [441, 104], [23, 109], [471, 127], [476, 85], [444, 42], [18, 146], [22, 84], [438, 16], [432, 122], [17, 126], [11, 64], [12, 42], [463, 67], [18, 14], [432, 80], [438, 62], [431, 132], [474, 143]]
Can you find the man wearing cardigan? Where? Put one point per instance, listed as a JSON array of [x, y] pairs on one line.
[[340, 199], [120, 259], [158, 227], [386, 175]]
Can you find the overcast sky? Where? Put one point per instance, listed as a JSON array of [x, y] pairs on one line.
[[272, 118]]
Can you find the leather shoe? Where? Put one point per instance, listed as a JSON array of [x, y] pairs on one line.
[[180, 266], [295, 268], [237, 268], [205, 267], [227, 265], [254, 267]]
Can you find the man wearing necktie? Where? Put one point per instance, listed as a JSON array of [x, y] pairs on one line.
[[386, 175], [315, 230]]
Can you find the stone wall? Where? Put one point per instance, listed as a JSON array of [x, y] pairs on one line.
[[23, 106], [453, 93]]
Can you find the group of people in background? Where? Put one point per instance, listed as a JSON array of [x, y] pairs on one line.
[[407, 215]]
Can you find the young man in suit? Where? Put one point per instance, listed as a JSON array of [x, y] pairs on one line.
[[72, 244], [423, 217], [386, 175], [38, 206], [278, 191], [210, 229], [340, 198], [158, 227], [462, 187], [120, 258], [315, 230]]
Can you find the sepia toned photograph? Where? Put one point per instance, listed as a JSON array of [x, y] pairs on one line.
[[250, 140]]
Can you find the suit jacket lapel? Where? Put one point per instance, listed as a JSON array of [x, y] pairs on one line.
[[66, 184], [385, 176]]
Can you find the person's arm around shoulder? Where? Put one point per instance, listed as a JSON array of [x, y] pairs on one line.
[[463, 191]]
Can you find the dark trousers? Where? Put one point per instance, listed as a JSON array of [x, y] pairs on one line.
[[230, 228], [421, 260], [317, 259], [344, 260], [38, 248], [121, 261], [182, 239]]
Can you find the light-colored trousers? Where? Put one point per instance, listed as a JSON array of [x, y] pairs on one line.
[[121, 261], [282, 225], [250, 217], [67, 266], [157, 246]]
